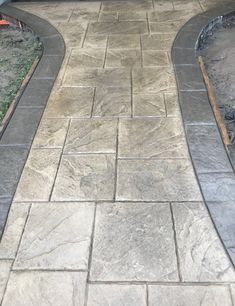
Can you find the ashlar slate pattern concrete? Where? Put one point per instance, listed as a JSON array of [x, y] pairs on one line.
[[103, 215]]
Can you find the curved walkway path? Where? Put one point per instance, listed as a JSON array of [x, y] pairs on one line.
[[108, 210]]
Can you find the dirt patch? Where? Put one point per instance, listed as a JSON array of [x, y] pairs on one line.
[[218, 52], [18, 50]]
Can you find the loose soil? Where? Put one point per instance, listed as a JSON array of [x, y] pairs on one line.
[[18, 50], [218, 52]]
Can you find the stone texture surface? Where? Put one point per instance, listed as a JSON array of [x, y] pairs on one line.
[[51, 133], [207, 149], [70, 103], [152, 138], [153, 80], [189, 295], [156, 180], [13, 230], [223, 214], [116, 295], [5, 266], [201, 254], [38, 176], [112, 102], [133, 242], [218, 186], [82, 178], [56, 237], [91, 136], [149, 105], [45, 288]]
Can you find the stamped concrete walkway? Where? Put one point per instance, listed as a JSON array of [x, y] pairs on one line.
[[108, 210]]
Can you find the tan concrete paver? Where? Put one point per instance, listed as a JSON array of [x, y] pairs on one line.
[[90, 148], [189, 295], [133, 242], [45, 288], [55, 237], [116, 295]]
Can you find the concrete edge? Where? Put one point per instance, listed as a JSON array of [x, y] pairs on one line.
[[17, 138], [211, 159]]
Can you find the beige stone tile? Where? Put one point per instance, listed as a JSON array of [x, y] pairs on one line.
[[233, 293], [157, 41], [123, 58], [85, 178], [56, 237], [56, 15], [187, 5], [67, 28], [116, 295], [108, 16], [73, 39], [172, 105], [189, 295], [166, 27], [124, 42], [112, 102], [133, 242], [171, 15], [38, 175], [132, 15], [86, 58], [155, 58], [93, 41], [156, 180], [149, 105], [151, 138], [83, 15], [117, 27], [201, 254], [45, 288], [70, 102], [51, 133], [153, 80], [91, 136], [5, 266], [80, 6], [128, 5], [13, 230], [163, 5], [109, 77]]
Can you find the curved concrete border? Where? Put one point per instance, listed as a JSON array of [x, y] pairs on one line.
[[210, 158], [17, 137]]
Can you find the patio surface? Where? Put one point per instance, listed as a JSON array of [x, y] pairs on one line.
[[108, 210]]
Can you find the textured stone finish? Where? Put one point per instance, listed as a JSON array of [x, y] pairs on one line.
[[189, 295], [123, 58], [218, 186], [119, 27], [133, 242], [45, 288], [157, 41], [116, 295], [84, 58], [156, 180], [201, 254], [112, 102], [124, 41], [207, 149], [70, 102], [51, 133], [82, 178], [38, 176], [153, 80], [13, 230], [109, 77], [5, 266], [152, 138], [56, 237], [91, 136], [149, 105]]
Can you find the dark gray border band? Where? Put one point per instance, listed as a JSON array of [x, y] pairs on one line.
[[16, 140], [210, 158]]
